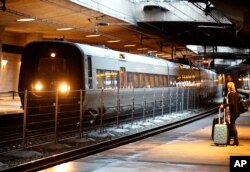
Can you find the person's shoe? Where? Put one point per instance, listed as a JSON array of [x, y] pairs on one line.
[[235, 143]]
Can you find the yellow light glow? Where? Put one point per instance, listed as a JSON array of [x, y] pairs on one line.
[[25, 19], [141, 49], [64, 87], [65, 28], [4, 62], [114, 41], [92, 35], [52, 54], [130, 45], [38, 86]]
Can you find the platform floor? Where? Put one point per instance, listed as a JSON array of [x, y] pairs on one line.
[[188, 148], [8, 105]]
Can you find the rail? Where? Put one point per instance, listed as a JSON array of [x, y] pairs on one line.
[[95, 147]]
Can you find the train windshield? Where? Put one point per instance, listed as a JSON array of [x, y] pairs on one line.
[[52, 66]]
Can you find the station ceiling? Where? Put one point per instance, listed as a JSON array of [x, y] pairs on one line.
[[169, 38]]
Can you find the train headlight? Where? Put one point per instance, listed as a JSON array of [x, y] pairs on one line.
[[38, 86], [64, 88]]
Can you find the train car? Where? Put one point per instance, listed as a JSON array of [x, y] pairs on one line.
[[103, 74]]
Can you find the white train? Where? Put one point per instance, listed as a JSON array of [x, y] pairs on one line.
[[104, 74]]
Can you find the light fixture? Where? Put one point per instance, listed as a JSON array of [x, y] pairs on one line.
[[130, 45], [96, 34], [52, 54], [66, 28], [4, 62], [92, 35], [153, 51], [142, 49], [25, 19], [114, 41], [159, 54]]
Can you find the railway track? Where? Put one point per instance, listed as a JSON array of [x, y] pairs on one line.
[[94, 146]]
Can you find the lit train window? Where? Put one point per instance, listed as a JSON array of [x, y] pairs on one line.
[[147, 83], [130, 80], [152, 81], [136, 80], [106, 79], [99, 79], [123, 77], [160, 81], [165, 81], [156, 81], [141, 80]]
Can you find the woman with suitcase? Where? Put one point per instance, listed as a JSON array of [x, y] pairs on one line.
[[233, 100]]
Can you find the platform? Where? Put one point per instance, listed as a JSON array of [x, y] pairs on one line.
[[10, 105], [188, 148]]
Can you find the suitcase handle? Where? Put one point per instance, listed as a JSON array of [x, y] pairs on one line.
[[224, 119]]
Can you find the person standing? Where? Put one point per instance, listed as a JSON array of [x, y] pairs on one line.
[[233, 100]]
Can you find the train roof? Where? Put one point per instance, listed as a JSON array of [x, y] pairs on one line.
[[109, 53]]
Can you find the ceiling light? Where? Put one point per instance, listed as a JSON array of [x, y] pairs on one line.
[[152, 51], [141, 49], [159, 54], [130, 45], [92, 35], [66, 28], [113, 41], [25, 19]]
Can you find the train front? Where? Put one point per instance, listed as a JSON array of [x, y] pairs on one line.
[[50, 67]]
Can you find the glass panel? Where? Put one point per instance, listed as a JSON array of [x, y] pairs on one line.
[[141, 78]]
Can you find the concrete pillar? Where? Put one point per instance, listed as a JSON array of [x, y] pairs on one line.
[[1, 52]]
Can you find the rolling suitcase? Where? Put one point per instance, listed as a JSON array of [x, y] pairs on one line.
[[215, 121], [220, 131]]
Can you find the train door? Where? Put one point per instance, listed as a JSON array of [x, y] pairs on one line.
[[123, 77], [90, 75]]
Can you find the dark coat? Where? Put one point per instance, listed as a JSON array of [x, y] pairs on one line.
[[234, 106]]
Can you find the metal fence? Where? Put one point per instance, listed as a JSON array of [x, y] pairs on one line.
[[59, 116]]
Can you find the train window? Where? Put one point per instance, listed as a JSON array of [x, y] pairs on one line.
[[147, 83], [165, 81], [141, 80], [90, 72], [130, 80], [136, 80], [89, 66], [123, 77], [160, 81], [99, 79], [107, 82], [51, 65], [106, 79], [152, 80], [114, 79], [156, 81]]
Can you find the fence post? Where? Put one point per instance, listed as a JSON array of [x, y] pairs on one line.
[[133, 106], [56, 118], [101, 112], [162, 103], [188, 98], [154, 105], [176, 95], [118, 107], [182, 99], [25, 120], [81, 111], [144, 104]]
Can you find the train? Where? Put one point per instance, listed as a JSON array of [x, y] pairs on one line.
[[107, 77]]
